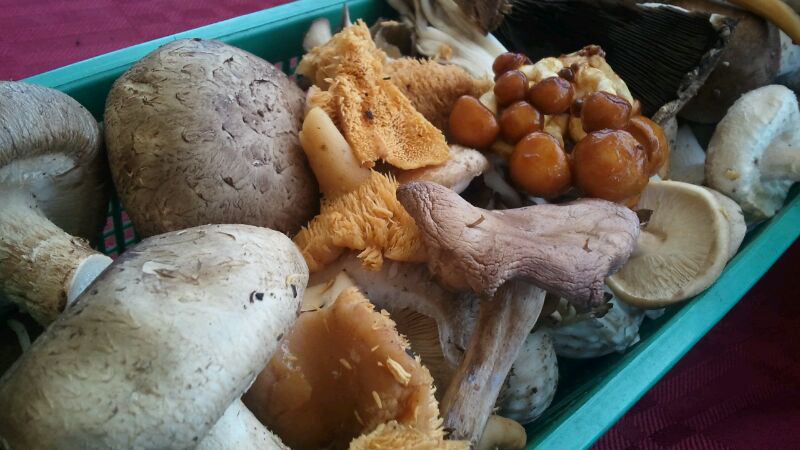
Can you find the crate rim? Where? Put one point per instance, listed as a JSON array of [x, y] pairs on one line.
[[582, 423]]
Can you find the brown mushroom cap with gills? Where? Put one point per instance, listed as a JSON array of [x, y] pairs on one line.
[[509, 258], [670, 263], [754, 154], [155, 351], [342, 371], [202, 132], [54, 195]]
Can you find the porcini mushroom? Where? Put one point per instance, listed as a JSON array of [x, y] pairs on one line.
[[565, 249], [680, 252], [53, 192], [202, 132], [754, 154], [156, 350], [343, 371]]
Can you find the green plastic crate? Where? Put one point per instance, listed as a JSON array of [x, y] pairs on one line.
[[592, 394]]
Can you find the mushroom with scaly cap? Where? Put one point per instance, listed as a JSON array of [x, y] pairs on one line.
[[509, 258]]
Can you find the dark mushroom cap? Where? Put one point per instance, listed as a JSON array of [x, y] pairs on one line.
[[567, 250]]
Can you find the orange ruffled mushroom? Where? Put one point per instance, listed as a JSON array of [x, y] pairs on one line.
[[378, 121], [368, 218], [343, 371], [393, 436]]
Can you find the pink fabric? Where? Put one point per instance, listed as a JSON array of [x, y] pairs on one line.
[[739, 388]]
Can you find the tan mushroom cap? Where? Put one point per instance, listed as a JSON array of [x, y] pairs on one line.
[[202, 132], [682, 250], [342, 371], [736, 223]]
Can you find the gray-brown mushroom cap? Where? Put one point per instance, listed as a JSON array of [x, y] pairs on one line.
[[567, 250], [201, 132]]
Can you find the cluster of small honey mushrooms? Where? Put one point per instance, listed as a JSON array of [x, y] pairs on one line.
[[391, 258]]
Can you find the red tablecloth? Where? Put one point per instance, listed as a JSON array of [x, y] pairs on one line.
[[739, 388]]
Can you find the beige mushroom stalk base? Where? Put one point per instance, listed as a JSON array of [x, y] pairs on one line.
[[159, 346], [44, 269], [52, 186], [510, 258]]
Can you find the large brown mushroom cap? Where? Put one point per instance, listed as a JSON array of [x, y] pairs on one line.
[[567, 250], [201, 132]]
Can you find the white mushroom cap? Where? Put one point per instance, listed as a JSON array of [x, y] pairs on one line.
[[754, 155], [616, 331], [682, 250], [159, 346]]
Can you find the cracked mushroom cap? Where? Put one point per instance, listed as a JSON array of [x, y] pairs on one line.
[[341, 372], [564, 249], [754, 154], [680, 252], [201, 132]]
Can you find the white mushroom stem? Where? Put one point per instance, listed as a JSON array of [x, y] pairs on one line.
[[687, 159], [44, 269], [502, 433], [238, 429], [503, 323]]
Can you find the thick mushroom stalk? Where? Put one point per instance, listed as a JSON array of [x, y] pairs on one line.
[[506, 257], [52, 187], [43, 268]]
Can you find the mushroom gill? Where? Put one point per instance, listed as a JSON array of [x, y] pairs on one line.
[[343, 371]]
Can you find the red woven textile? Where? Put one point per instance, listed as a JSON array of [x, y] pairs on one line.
[[739, 388]]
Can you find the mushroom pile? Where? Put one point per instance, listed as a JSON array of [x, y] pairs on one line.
[[395, 255]]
